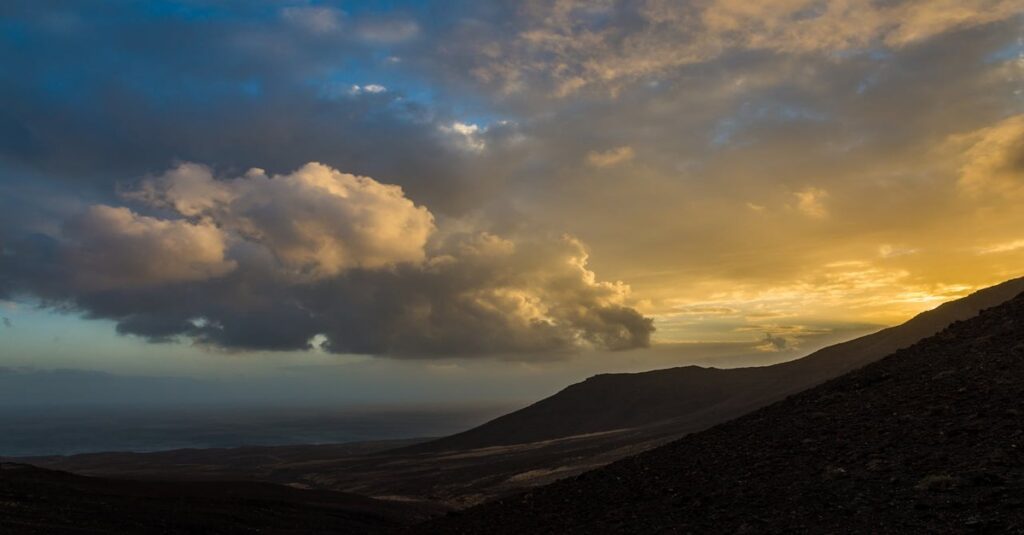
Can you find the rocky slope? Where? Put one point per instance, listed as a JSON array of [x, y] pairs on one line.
[[693, 398], [927, 440]]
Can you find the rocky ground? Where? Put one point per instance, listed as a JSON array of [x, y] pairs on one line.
[[927, 440]]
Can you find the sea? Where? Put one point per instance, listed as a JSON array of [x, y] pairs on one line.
[[62, 430]]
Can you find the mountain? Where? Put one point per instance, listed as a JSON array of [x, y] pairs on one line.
[[584, 427], [34, 500], [691, 398], [927, 440]]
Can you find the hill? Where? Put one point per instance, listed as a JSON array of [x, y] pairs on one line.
[[691, 398], [586, 426], [34, 500], [929, 439]]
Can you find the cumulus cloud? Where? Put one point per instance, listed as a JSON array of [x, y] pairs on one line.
[[610, 157], [843, 95], [320, 257], [188, 188], [316, 221], [114, 247], [484, 294]]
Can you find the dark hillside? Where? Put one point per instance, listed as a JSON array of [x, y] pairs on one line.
[[692, 398], [35, 500], [603, 419], [928, 440]]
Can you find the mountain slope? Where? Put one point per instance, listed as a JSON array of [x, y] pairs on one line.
[[929, 439], [34, 500], [693, 398], [642, 411]]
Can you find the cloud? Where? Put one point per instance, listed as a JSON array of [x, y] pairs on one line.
[[894, 251], [992, 157], [466, 136], [315, 221], [112, 247], [567, 46], [320, 258], [315, 20], [810, 201], [773, 343], [485, 294], [610, 157], [728, 102], [1004, 247], [245, 87], [189, 189], [926, 19], [846, 290], [706, 310], [368, 88]]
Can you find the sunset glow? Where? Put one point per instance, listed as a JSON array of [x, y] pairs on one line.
[[544, 185]]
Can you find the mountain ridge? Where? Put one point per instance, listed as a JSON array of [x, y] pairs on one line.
[[461, 476], [696, 397], [927, 439]]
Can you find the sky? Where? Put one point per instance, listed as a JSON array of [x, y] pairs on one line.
[[399, 201]]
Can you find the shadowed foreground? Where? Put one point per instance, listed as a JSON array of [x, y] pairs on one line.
[[34, 500]]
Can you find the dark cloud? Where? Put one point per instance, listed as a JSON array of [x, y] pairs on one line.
[[488, 296], [249, 263], [698, 148], [122, 89], [773, 343]]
